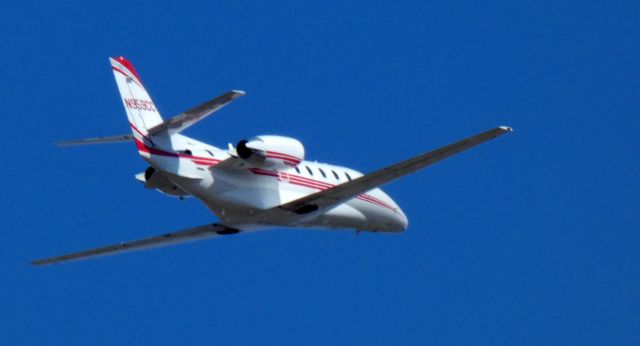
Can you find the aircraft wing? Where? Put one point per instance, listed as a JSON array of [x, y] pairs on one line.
[[193, 115], [330, 197], [196, 233]]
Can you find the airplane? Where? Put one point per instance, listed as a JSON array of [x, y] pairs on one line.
[[260, 183]]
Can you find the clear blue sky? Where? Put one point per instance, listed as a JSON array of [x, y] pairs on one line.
[[530, 239]]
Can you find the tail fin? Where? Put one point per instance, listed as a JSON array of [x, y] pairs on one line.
[[141, 111]]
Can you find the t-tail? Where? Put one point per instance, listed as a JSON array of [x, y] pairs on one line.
[[147, 126]]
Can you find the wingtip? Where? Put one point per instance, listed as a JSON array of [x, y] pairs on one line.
[[506, 128], [239, 92], [63, 144], [37, 263]]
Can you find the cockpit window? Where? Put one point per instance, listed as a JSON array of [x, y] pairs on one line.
[[335, 175], [322, 172], [210, 153], [309, 170], [348, 176], [297, 169]]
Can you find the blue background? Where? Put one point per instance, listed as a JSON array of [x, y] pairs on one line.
[[529, 239]]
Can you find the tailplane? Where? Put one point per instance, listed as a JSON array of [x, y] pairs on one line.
[[144, 119]]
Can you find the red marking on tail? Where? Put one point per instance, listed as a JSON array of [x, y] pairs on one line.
[[126, 63]]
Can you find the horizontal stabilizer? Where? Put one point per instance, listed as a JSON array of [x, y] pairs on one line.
[[96, 140], [184, 120], [196, 233]]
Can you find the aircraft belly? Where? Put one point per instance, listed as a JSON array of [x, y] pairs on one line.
[[238, 196], [242, 194], [358, 215], [341, 216]]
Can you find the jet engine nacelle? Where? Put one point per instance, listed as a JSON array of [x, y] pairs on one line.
[[156, 180], [271, 151]]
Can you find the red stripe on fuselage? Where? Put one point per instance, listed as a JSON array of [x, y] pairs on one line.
[[288, 178], [147, 149], [205, 161], [317, 185]]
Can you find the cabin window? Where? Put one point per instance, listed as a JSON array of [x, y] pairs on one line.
[[348, 176], [210, 153], [335, 175], [309, 170], [297, 169], [322, 172]]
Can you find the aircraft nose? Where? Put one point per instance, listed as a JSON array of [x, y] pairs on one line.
[[400, 221]]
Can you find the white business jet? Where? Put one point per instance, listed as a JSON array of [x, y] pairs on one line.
[[260, 183]]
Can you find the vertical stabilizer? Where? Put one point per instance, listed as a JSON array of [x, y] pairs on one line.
[[141, 111]]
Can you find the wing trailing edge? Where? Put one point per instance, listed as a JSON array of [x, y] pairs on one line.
[[191, 234]]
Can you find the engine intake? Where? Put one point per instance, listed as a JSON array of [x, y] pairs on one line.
[[156, 180], [242, 149]]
